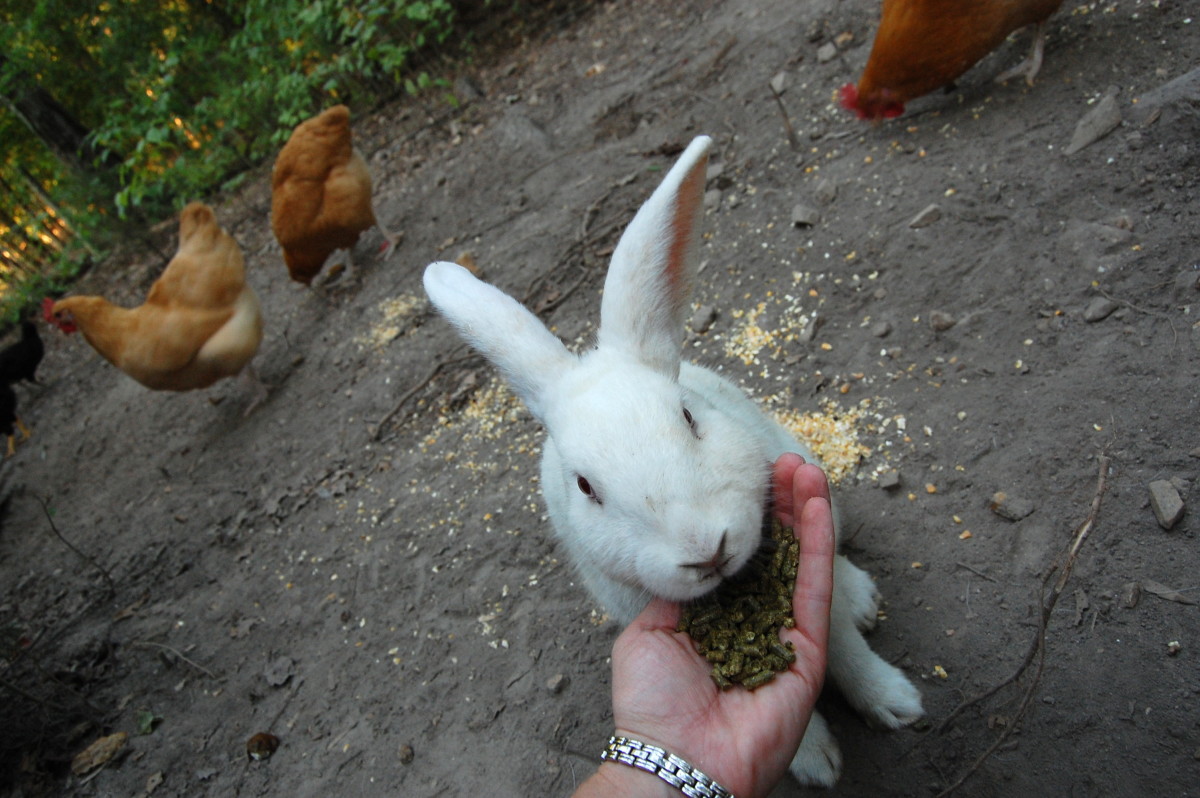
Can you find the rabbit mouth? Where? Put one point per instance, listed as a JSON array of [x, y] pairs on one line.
[[714, 567], [767, 546]]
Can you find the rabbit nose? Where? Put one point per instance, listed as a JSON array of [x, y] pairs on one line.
[[715, 563]]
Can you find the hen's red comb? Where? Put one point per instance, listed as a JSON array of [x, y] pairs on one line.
[[67, 325], [848, 95]]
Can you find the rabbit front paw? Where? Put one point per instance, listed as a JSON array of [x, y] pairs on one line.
[[818, 761], [893, 701], [856, 588]]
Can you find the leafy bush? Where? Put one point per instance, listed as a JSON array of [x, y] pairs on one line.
[[208, 107], [178, 98]]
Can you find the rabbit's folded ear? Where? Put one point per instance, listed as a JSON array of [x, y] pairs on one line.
[[649, 283], [529, 356]]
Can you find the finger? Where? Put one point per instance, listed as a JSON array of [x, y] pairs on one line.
[[782, 475], [814, 575], [807, 481]]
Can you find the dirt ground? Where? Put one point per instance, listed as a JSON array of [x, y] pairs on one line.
[[363, 568]]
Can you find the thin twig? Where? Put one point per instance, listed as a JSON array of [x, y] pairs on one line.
[[793, 139], [976, 571], [112, 587], [1127, 303], [1037, 649], [428, 378], [176, 652]]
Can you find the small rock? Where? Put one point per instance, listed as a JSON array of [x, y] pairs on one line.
[[826, 52], [808, 330], [929, 215], [779, 83], [881, 329], [262, 746], [1165, 500], [1099, 309], [703, 318], [406, 754], [1012, 509], [1179, 95], [889, 480], [1174, 648], [1122, 222], [941, 321], [1165, 593], [279, 671], [805, 216], [712, 199], [556, 683], [1188, 281], [1097, 123], [825, 191], [1131, 594]]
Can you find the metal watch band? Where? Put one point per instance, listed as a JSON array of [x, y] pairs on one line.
[[668, 767]]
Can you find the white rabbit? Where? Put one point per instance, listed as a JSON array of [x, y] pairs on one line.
[[656, 472]]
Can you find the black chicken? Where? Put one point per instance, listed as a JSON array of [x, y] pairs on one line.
[[19, 361]]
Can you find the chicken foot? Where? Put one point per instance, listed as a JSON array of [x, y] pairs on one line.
[[259, 390], [391, 240], [1032, 63], [346, 272], [12, 439]]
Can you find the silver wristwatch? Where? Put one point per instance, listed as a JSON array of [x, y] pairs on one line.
[[668, 767]]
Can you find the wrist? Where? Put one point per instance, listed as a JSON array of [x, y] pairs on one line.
[[614, 778], [668, 767]]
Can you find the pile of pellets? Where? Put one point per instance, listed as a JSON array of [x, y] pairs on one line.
[[736, 627]]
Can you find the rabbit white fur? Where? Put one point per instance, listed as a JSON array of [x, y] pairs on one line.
[[656, 471]]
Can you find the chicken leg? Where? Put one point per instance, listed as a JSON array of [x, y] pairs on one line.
[[1032, 63]]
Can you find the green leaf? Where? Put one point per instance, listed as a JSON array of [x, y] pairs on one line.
[[146, 721]]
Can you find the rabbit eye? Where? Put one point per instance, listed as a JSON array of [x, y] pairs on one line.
[[586, 489], [691, 421]]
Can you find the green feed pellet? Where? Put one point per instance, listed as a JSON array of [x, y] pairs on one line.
[[736, 627]]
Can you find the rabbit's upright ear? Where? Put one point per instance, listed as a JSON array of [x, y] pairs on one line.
[[529, 356], [649, 283]]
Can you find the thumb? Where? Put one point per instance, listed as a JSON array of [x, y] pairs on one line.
[[659, 614]]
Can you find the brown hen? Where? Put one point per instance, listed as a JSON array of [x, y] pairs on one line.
[[923, 45], [321, 195], [200, 322]]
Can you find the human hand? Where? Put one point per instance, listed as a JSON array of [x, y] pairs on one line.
[[663, 694]]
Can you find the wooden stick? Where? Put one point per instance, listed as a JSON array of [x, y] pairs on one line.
[[428, 378], [1037, 649]]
